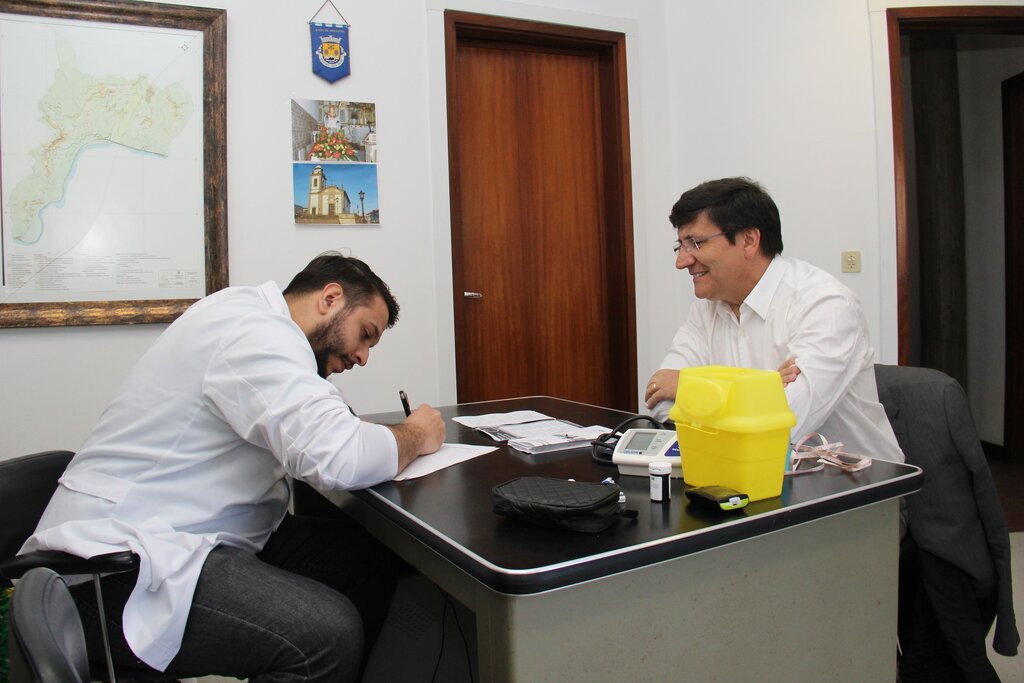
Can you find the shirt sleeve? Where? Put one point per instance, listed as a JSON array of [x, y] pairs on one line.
[[690, 348], [264, 384], [828, 340]]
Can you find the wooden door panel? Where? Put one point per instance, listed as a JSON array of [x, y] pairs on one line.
[[566, 237], [489, 252], [531, 194], [530, 214]]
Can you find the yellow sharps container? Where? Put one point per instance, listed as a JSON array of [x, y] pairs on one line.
[[733, 426]]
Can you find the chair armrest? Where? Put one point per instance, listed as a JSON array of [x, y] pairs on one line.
[[67, 564]]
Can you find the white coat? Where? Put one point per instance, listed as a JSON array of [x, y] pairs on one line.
[[197, 449]]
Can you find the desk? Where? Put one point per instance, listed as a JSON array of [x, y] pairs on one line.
[[802, 587]]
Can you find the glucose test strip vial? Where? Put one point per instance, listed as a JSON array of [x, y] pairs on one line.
[[660, 471]]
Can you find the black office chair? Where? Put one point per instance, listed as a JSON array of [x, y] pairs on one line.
[[955, 557], [47, 642], [26, 486]]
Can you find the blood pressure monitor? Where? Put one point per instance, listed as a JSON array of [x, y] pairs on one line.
[[636, 448]]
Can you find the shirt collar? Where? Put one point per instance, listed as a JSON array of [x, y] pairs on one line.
[[760, 298], [272, 293]]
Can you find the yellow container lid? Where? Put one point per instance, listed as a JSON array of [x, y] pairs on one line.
[[731, 399]]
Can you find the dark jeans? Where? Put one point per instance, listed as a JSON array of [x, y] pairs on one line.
[[308, 608]]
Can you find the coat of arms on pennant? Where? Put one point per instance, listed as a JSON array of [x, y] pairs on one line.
[[329, 45]]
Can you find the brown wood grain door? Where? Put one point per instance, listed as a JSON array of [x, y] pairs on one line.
[[541, 234]]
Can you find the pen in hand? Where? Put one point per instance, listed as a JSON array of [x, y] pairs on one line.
[[405, 403]]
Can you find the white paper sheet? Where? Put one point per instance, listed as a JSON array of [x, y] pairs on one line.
[[449, 454], [499, 419]]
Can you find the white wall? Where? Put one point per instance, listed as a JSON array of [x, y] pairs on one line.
[[782, 92], [55, 382], [794, 93]]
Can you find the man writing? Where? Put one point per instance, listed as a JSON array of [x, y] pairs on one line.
[[190, 468], [759, 309]]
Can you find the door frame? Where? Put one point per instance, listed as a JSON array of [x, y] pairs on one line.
[[616, 169], [979, 19], [962, 19], [1013, 162]]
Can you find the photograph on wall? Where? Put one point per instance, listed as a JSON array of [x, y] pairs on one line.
[[329, 130], [335, 193]]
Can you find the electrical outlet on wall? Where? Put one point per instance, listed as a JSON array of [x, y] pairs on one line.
[[851, 261]]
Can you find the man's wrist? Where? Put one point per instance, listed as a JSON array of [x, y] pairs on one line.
[[410, 439]]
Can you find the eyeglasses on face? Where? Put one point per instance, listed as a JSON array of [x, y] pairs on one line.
[[691, 245]]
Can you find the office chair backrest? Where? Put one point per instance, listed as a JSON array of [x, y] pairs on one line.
[[955, 522], [930, 416], [26, 485], [47, 630]]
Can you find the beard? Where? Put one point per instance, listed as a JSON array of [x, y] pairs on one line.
[[326, 340]]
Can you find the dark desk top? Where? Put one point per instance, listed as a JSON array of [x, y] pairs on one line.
[[450, 511]]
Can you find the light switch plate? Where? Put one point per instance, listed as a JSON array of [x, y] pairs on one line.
[[851, 261]]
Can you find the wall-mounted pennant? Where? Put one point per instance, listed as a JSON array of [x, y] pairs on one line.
[[329, 45]]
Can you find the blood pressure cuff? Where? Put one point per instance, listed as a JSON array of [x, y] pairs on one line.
[[560, 503]]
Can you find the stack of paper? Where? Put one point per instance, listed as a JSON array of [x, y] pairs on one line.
[[532, 432], [561, 437], [493, 424]]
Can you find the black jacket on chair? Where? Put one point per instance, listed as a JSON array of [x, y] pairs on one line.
[[956, 530]]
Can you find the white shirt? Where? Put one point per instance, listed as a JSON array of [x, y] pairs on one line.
[[797, 310], [196, 450]]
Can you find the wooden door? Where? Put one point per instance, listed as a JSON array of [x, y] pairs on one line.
[[541, 230], [1013, 189]]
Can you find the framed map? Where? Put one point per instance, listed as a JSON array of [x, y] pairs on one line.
[[113, 197]]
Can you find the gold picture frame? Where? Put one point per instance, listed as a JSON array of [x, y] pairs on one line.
[[211, 23]]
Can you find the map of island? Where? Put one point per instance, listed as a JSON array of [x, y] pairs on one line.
[[83, 110]]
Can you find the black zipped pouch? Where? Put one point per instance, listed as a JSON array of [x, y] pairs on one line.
[[560, 503]]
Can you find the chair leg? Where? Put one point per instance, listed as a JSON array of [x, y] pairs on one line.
[[103, 628]]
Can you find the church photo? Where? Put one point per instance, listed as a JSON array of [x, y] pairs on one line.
[[335, 194]]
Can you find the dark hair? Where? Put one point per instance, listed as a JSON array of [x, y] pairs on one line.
[[733, 204], [355, 277]]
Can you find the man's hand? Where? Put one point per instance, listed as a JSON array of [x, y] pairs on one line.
[[421, 433], [661, 387], [789, 371], [663, 384]]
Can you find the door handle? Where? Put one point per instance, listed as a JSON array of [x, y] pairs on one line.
[[473, 295]]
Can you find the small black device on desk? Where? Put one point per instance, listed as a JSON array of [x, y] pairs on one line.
[[719, 497]]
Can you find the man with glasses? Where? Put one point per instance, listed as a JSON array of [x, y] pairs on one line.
[[760, 309]]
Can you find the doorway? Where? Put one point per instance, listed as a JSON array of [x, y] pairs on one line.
[[542, 241], [944, 216]]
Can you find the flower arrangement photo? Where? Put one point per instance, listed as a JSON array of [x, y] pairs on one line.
[[332, 146]]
